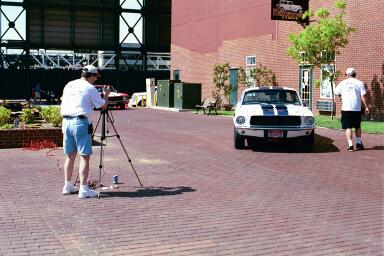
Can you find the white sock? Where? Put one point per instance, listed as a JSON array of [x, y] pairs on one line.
[[358, 140], [68, 183], [350, 143]]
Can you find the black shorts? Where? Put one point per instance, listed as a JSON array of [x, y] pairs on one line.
[[350, 119]]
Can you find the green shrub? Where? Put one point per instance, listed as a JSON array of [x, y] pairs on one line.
[[5, 116], [27, 116], [6, 126], [51, 115]]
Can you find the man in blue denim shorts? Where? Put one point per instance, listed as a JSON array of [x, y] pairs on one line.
[[79, 99]]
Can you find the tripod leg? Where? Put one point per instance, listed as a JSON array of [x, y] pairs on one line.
[[100, 168], [125, 151], [102, 138], [97, 124], [77, 178]]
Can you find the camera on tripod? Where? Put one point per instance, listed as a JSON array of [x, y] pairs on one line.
[[102, 89]]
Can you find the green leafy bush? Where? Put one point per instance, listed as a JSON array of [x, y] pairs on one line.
[[5, 115], [27, 116], [6, 126], [51, 115]]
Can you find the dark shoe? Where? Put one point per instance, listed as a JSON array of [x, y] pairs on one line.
[[350, 148], [359, 146]]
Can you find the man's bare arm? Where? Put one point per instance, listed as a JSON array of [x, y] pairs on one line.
[[364, 100]]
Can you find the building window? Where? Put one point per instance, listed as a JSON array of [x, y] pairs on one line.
[[325, 86], [250, 61]]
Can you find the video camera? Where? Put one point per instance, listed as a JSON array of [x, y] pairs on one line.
[[101, 89]]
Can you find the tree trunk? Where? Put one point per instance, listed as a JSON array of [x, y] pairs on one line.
[[331, 79], [333, 98]]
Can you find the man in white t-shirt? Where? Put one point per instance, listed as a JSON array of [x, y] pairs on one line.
[[352, 92], [78, 100]]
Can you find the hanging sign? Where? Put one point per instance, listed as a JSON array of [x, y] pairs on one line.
[[288, 10]]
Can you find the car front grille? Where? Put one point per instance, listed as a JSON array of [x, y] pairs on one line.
[[114, 98], [276, 120]]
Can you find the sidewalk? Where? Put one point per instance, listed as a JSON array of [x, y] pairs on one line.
[[200, 195]]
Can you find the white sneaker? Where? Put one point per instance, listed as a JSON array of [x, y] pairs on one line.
[[69, 189], [87, 192]]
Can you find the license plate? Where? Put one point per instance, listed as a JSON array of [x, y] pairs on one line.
[[275, 133]]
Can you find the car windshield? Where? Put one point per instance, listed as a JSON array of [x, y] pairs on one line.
[[269, 96]]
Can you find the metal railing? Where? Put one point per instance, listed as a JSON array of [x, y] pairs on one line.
[[48, 59]]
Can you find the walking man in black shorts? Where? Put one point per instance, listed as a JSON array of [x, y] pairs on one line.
[[352, 92]]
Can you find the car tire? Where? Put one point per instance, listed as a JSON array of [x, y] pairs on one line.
[[239, 140], [255, 143], [144, 103], [122, 105], [309, 141]]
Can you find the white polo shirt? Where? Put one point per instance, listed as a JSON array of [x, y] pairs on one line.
[[350, 90], [79, 98]]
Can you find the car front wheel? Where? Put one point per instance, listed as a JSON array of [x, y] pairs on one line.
[[142, 103], [239, 140], [309, 141]]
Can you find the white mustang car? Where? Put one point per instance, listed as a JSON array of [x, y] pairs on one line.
[[272, 113]]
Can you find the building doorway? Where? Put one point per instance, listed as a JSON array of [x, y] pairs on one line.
[[305, 84]]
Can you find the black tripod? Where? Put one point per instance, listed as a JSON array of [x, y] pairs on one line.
[[105, 116]]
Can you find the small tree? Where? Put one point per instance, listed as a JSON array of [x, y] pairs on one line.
[[320, 42], [242, 76], [264, 76], [221, 81]]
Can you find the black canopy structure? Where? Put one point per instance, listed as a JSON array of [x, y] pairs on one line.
[[49, 41], [129, 29]]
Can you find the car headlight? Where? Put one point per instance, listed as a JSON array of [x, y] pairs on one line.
[[240, 120], [309, 120]]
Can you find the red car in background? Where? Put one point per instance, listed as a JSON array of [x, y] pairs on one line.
[[115, 98]]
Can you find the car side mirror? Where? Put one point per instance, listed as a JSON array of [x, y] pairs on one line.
[[305, 104]]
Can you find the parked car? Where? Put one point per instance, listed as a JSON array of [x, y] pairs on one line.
[[288, 6], [115, 98], [138, 99], [272, 113]]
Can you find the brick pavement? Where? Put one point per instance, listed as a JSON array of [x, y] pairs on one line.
[[200, 195]]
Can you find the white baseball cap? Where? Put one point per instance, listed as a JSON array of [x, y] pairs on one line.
[[350, 71], [91, 69]]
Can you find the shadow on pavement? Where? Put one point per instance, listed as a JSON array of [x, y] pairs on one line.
[[375, 148], [322, 145], [149, 192]]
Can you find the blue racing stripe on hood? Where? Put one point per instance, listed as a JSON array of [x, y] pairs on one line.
[[268, 110], [282, 110]]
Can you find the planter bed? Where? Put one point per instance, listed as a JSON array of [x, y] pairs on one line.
[[20, 137]]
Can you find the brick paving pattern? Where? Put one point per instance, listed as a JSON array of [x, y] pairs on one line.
[[200, 195]]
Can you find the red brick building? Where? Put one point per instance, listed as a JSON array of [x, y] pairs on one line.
[[209, 32]]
